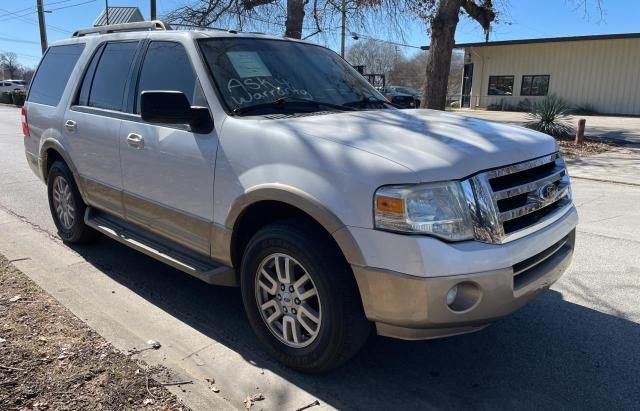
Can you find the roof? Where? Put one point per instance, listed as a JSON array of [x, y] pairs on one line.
[[119, 15], [552, 40]]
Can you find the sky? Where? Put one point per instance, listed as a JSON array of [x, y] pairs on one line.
[[520, 19]]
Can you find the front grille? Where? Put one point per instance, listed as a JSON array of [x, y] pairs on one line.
[[529, 270], [510, 202]]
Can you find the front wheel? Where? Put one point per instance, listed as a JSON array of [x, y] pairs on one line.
[[301, 298]]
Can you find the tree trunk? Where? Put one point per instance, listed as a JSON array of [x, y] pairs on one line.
[[443, 29], [295, 17]]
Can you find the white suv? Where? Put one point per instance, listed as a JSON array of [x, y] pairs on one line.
[[269, 163]]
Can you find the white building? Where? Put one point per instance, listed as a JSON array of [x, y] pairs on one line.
[[599, 72]]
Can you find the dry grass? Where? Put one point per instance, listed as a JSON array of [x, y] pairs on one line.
[[50, 360]]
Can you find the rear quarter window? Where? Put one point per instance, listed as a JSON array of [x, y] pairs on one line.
[[53, 74]]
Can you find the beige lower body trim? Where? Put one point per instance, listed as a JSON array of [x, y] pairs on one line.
[[411, 307], [187, 230], [102, 196]]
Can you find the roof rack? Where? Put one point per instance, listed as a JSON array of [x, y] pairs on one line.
[[154, 25]]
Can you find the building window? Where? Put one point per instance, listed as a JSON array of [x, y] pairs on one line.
[[535, 85], [500, 86]]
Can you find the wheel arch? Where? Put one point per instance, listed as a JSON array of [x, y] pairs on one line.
[[50, 152], [266, 204]]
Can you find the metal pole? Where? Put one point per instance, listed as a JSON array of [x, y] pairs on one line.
[[43, 27], [580, 131], [106, 10], [152, 10], [344, 27]]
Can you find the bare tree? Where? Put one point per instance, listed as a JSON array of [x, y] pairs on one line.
[[10, 65], [377, 57], [443, 17]]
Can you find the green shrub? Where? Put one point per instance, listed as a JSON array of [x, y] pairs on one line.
[[502, 105], [18, 97], [5, 97], [455, 104], [524, 105], [550, 116], [585, 110]]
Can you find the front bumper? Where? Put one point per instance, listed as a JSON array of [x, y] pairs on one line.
[[411, 307]]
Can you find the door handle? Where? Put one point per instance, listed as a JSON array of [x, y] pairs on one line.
[[70, 125], [135, 140]]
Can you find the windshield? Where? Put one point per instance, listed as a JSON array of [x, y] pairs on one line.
[[256, 72]]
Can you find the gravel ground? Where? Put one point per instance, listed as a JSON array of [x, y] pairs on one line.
[[50, 360], [590, 146]]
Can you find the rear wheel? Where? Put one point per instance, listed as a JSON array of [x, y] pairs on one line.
[[66, 205], [301, 298]]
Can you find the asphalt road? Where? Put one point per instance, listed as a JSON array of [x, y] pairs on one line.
[[575, 347]]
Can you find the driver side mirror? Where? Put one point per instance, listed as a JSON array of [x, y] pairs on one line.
[[172, 107]]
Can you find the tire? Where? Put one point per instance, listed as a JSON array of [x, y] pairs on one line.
[[342, 328], [70, 224]]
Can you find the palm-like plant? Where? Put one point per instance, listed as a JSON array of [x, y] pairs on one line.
[[550, 116]]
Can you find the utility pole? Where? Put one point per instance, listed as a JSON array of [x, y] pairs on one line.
[[106, 10], [344, 27], [152, 9], [43, 27]]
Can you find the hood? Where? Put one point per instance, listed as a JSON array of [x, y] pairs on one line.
[[434, 144]]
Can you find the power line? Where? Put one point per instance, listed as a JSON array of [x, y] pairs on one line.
[[11, 15], [15, 40], [32, 10], [51, 26]]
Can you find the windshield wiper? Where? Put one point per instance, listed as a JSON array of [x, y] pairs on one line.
[[292, 101], [369, 102]]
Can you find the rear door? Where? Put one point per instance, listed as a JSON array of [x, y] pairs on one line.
[[168, 170], [92, 123]]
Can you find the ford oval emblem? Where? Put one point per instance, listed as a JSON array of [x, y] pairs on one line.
[[548, 192]]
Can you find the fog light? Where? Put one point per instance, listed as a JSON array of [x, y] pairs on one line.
[[452, 294]]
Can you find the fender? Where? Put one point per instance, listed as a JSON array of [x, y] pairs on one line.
[[305, 202], [51, 143]]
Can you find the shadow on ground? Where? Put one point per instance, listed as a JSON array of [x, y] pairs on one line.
[[551, 354]]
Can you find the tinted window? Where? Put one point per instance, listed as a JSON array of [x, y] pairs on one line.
[[167, 67], [109, 81], [500, 86], [53, 74], [535, 85], [83, 96]]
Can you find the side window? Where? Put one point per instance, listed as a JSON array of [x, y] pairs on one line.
[[110, 77], [53, 74], [83, 95], [167, 67]]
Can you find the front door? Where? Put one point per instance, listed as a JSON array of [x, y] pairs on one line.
[[167, 171], [467, 79], [92, 124]]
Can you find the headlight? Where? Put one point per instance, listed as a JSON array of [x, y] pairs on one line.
[[437, 209]]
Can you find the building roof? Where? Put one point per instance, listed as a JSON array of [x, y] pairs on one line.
[[551, 40], [119, 15]]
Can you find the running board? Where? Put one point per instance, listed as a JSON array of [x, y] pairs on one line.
[[162, 250]]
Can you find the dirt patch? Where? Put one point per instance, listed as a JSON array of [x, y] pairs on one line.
[[50, 360], [589, 147]]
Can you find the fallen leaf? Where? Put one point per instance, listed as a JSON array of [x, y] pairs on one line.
[[148, 401], [14, 299], [248, 402], [43, 339]]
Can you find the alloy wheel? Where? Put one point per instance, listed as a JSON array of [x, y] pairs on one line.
[[63, 202], [288, 300]]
